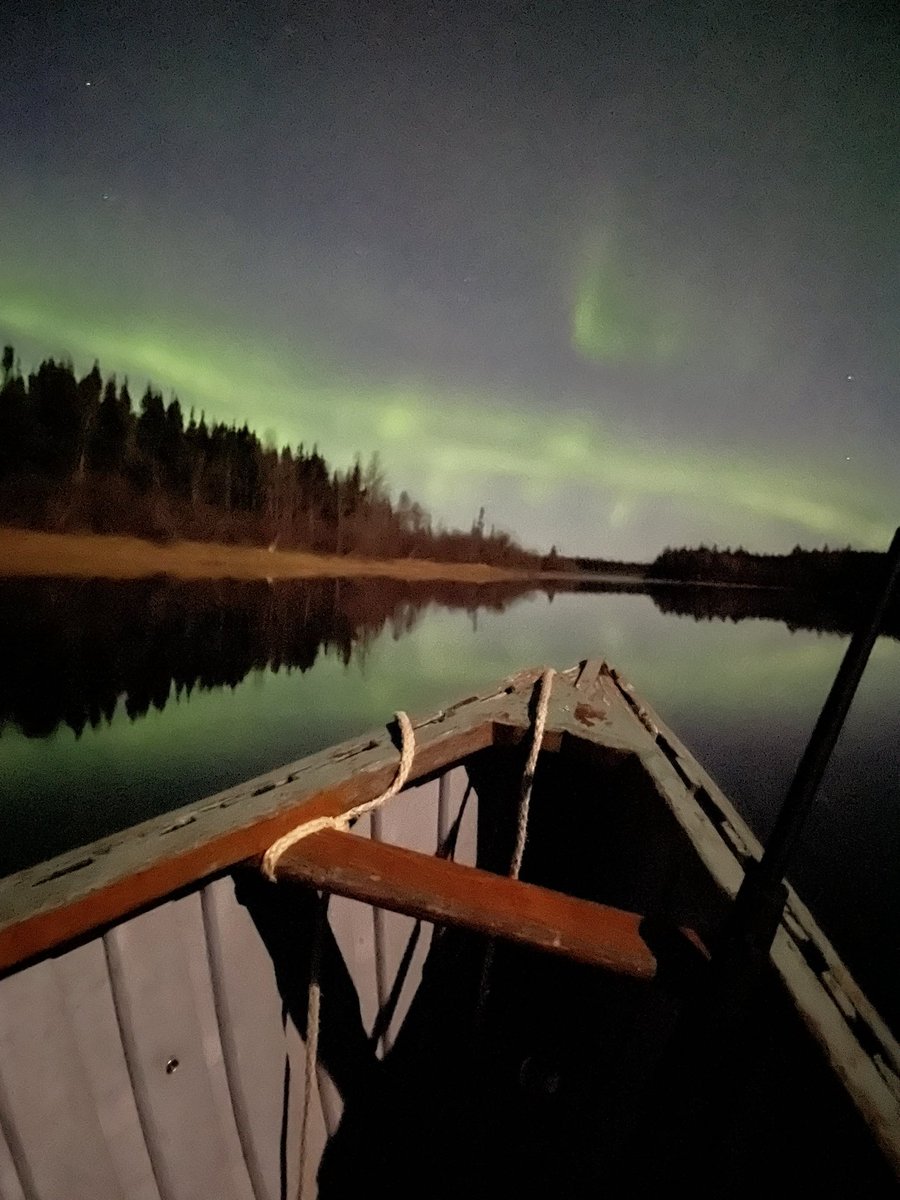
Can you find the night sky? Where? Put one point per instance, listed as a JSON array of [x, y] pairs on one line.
[[627, 275]]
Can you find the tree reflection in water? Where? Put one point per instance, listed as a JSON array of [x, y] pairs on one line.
[[71, 650]]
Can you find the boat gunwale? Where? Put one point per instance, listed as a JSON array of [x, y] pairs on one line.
[[47, 908], [874, 1085], [743, 844], [204, 838]]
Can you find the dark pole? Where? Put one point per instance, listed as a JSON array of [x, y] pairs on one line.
[[760, 900], [711, 1072]]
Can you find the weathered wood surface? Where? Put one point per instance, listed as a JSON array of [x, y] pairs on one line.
[[153, 1062], [89, 890], [683, 782], [449, 893], [835, 1010], [57, 902]]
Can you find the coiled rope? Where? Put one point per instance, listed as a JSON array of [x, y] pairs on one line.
[[343, 820]]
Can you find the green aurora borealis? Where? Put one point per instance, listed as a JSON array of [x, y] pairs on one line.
[[599, 276], [445, 443]]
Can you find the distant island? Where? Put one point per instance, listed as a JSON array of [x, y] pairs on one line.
[[822, 570], [827, 590]]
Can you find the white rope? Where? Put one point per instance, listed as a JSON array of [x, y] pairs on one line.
[[537, 737], [342, 820], [269, 866]]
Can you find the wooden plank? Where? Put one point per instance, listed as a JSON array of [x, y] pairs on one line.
[[41, 909], [249, 1012], [173, 1053], [83, 976], [456, 789], [589, 673], [452, 894], [412, 824], [89, 889], [264, 1057], [46, 1110], [14, 1173], [354, 932], [10, 1184]]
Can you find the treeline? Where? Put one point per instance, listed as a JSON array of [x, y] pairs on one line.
[[606, 566], [75, 454], [829, 612], [820, 571]]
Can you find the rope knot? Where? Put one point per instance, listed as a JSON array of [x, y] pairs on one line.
[[342, 821]]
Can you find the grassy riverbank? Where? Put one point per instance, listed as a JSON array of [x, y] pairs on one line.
[[25, 552]]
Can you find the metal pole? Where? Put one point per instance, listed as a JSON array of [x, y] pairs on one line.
[[760, 900], [711, 1067]]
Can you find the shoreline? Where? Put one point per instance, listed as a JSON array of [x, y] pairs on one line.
[[31, 553], [34, 553]]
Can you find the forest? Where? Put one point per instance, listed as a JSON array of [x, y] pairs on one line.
[[825, 571], [77, 455]]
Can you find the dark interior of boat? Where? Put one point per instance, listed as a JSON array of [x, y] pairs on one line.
[[519, 1073]]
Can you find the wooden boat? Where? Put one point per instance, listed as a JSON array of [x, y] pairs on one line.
[[555, 1034]]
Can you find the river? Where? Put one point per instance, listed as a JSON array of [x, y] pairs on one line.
[[121, 701]]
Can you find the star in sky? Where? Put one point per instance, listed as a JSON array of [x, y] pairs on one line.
[[596, 268]]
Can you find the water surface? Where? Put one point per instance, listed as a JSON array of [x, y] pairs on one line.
[[120, 701]]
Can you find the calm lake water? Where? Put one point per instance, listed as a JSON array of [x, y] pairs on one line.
[[120, 701]]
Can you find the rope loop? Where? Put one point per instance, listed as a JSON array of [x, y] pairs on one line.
[[343, 820]]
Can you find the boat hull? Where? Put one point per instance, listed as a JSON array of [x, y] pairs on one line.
[[159, 1051]]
